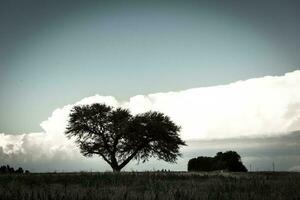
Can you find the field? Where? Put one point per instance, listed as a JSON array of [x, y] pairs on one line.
[[150, 185]]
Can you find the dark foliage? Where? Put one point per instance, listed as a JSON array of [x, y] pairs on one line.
[[229, 161], [118, 137], [6, 169]]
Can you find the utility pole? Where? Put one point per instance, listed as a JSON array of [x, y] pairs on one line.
[[273, 165]]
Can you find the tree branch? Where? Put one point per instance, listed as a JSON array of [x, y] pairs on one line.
[[126, 161], [109, 162]]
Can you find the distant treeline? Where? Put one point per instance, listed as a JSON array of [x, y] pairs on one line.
[[228, 161], [6, 169]]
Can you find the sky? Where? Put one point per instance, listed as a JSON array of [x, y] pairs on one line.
[[223, 70], [57, 52], [259, 118]]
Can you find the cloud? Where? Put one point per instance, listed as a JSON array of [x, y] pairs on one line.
[[255, 107], [49, 145], [258, 107], [295, 168]]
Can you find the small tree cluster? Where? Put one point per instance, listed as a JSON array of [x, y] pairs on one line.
[[229, 161], [6, 169]]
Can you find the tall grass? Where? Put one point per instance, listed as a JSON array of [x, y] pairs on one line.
[[150, 185]]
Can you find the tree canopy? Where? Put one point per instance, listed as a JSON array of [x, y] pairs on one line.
[[6, 169], [229, 160], [118, 136]]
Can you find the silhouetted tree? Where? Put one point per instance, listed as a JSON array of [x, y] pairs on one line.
[[4, 169], [118, 137], [229, 160], [19, 170], [201, 164], [10, 169]]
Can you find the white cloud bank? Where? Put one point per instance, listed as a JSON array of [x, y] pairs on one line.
[[256, 107]]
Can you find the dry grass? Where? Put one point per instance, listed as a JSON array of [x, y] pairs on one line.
[[150, 185]]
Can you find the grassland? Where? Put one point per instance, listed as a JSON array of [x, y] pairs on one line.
[[150, 185]]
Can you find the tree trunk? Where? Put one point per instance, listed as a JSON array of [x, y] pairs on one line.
[[116, 169]]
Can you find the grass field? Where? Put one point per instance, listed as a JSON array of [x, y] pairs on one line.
[[150, 185]]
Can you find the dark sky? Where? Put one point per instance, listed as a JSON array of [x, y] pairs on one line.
[[53, 53]]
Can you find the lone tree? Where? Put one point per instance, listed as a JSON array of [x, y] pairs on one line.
[[118, 136]]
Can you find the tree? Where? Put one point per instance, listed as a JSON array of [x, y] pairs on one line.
[[4, 169], [19, 170], [229, 160], [118, 136]]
